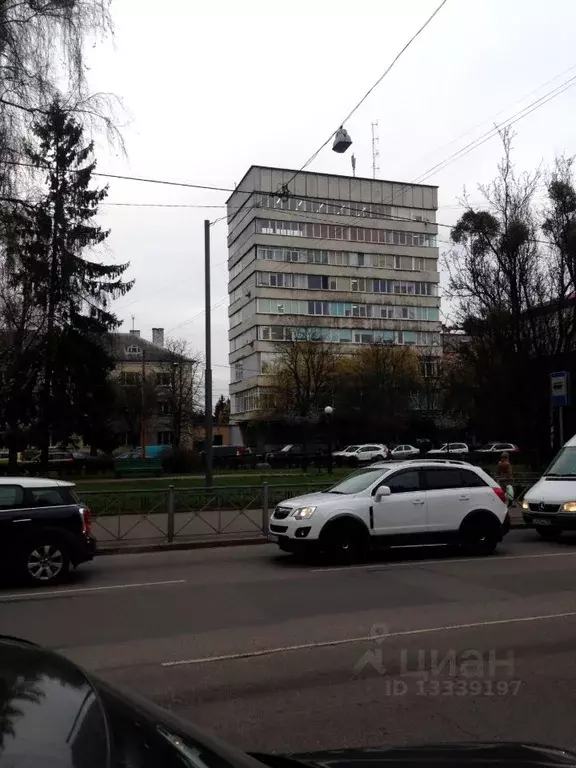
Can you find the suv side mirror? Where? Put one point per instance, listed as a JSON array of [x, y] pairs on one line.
[[381, 493]]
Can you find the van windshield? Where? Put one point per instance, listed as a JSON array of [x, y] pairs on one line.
[[357, 482], [564, 464]]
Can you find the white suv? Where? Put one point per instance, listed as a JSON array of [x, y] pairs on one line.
[[361, 453], [395, 503]]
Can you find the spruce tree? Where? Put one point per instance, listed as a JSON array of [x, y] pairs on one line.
[[72, 287]]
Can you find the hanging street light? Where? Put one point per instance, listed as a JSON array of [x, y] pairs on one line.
[[342, 140]]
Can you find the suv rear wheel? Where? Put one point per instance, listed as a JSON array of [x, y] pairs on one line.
[[480, 534], [45, 561], [344, 542]]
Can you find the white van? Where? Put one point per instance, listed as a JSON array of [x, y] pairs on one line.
[[550, 505]]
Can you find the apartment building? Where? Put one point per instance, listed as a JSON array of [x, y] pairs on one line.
[[352, 261]]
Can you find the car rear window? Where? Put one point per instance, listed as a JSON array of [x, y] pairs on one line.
[[439, 478], [471, 479], [11, 496], [52, 497]]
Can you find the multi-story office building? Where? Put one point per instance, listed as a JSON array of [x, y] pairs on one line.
[[352, 261]]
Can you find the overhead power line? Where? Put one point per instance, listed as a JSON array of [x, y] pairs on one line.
[[516, 117], [369, 91]]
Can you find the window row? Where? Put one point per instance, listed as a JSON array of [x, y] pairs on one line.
[[237, 317], [354, 284], [345, 309], [342, 259], [244, 338], [340, 232], [245, 401], [237, 293], [350, 335], [132, 378], [341, 207]]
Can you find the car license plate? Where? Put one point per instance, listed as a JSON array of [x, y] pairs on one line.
[[541, 521], [272, 537]]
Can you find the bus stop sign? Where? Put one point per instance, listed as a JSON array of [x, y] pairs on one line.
[[559, 388]]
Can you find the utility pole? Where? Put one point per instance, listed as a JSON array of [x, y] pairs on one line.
[[208, 356], [143, 405]]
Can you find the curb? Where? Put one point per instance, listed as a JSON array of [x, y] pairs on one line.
[[176, 546], [179, 546]]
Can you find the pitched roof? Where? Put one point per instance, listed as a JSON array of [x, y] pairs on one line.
[[120, 343]]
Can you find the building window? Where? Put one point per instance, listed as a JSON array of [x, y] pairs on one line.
[[238, 371], [163, 378], [130, 378], [343, 258], [354, 234], [133, 351], [164, 409], [165, 437]]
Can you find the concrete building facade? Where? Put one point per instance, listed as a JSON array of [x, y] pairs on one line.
[[349, 260]]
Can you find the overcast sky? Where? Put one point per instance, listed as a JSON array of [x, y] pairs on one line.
[[261, 82]]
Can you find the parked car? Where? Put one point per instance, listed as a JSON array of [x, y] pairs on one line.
[[396, 503], [357, 454], [44, 529], [295, 454], [404, 452], [231, 457], [549, 505], [449, 449], [495, 447], [60, 461]]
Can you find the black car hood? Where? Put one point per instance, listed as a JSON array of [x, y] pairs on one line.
[[478, 754]]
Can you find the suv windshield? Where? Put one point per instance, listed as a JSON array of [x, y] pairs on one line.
[[357, 482], [350, 448], [487, 447], [563, 464]]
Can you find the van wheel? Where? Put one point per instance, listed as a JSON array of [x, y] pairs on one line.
[[45, 561], [548, 533], [344, 542], [479, 535]]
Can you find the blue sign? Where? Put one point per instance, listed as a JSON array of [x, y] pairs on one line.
[[559, 388]]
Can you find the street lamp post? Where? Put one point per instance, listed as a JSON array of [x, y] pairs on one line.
[[328, 411]]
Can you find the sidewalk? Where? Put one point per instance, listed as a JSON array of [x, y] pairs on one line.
[[124, 534]]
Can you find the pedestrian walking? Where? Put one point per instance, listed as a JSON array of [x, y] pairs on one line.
[[505, 478]]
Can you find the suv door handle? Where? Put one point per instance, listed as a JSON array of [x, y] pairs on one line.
[[465, 497], [418, 501]]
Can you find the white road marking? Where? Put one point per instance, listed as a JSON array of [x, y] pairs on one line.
[[361, 639], [431, 561], [45, 593]]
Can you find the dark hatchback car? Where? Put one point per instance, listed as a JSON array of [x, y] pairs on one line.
[[55, 715], [44, 530]]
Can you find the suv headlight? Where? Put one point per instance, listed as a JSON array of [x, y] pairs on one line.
[[525, 505], [569, 506], [302, 513]]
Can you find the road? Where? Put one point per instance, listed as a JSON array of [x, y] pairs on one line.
[[417, 646]]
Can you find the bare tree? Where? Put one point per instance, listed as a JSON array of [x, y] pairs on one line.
[[302, 376], [181, 389], [41, 44], [376, 386]]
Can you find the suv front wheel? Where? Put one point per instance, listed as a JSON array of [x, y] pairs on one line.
[[344, 541], [45, 561]]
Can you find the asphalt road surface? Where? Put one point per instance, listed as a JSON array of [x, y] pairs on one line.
[[417, 646]]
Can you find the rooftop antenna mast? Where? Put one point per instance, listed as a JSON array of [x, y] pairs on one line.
[[375, 149], [353, 159], [133, 318]]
